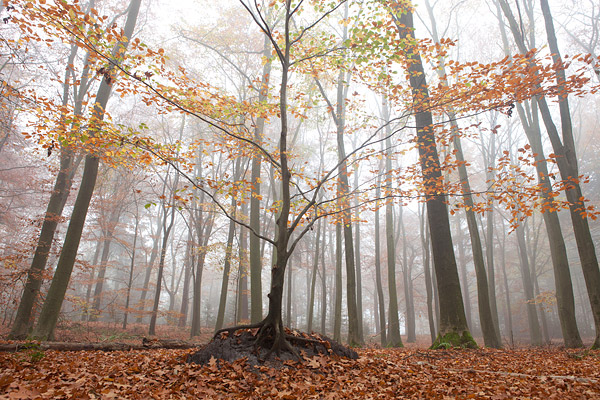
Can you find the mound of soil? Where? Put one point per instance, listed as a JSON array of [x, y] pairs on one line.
[[241, 345]]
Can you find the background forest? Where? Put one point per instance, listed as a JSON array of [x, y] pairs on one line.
[[167, 165]]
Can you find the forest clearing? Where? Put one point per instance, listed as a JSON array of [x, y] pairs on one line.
[[186, 187]]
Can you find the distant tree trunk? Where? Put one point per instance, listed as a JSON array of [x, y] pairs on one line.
[[506, 287], [462, 262], [149, 268], [228, 252], [185, 295], [56, 294], [88, 294], [255, 253], [532, 318], [411, 334], [324, 287], [288, 306], [163, 253], [242, 290], [337, 313], [106, 240], [425, 245], [381, 299], [359, 292], [226, 267], [131, 266], [453, 327], [313, 282], [393, 339]]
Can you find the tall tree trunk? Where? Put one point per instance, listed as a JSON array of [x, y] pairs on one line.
[[242, 289], [313, 282], [54, 299], [107, 239], [381, 299], [359, 292], [411, 334], [337, 313], [163, 253], [324, 286], [228, 252], [131, 266], [255, 253], [462, 264], [562, 277], [185, 294], [393, 338], [425, 245], [149, 268], [569, 171], [453, 327], [532, 318], [58, 198]]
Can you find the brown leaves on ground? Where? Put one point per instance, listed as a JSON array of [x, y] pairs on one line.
[[377, 374]]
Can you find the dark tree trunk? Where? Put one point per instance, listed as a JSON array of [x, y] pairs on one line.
[[453, 327]]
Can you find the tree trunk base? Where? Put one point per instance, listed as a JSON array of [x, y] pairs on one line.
[[264, 344], [454, 339]]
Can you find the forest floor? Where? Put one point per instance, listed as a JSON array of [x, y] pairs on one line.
[[411, 372]]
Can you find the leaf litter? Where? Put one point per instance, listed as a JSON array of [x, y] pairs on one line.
[[529, 373]]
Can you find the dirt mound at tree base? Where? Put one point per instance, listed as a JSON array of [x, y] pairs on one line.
[[241, 344]]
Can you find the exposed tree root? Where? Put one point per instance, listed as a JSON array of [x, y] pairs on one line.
[[267, 342]]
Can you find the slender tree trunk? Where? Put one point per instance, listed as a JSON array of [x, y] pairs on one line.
[[255, 253], [148, 271], [381, 299], [532, 318], [54, 299], [163, 253], [427, 270], [88, 294], [185, 294], [324, 287], [313, 282], [462, 263], [107, 239], [242, 290], [337, 318], [228, 252], [359, 291], [411, 334], [131, 268]]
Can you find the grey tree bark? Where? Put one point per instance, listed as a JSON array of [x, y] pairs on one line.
[[55, 296]]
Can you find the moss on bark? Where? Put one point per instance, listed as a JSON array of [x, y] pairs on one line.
[[454, 339]]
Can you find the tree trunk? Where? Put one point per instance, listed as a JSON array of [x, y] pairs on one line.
[[54, 299], [569, 171], [313, 282], [58, 198], [337, 313], [411, 334], [106, 240], [564, 288], [453, 327], [532, 318], [131, 266], [381, 299], [255, 253], [425, 245]]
